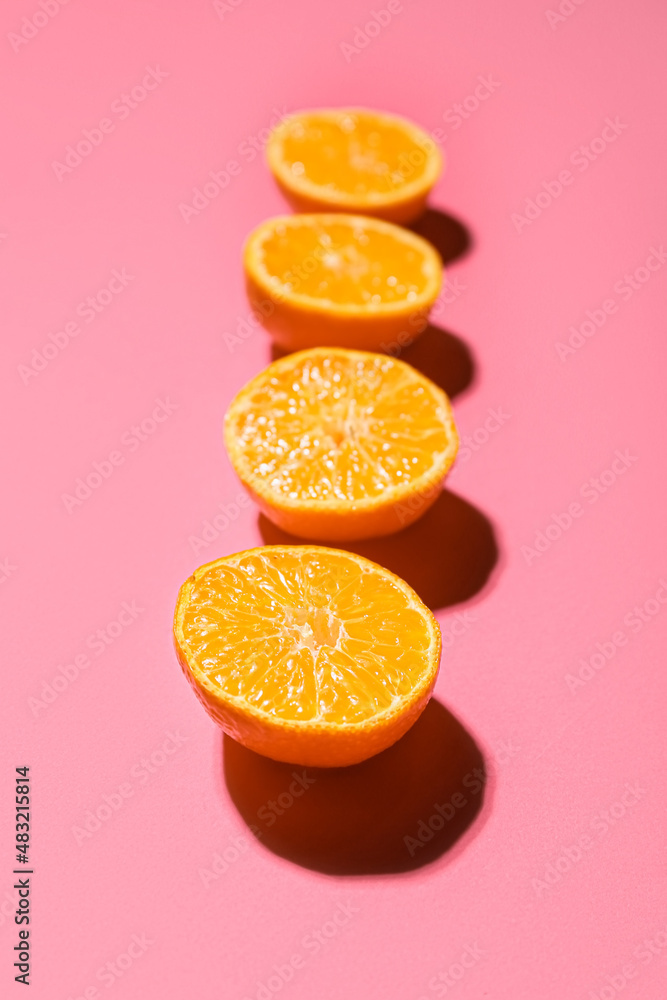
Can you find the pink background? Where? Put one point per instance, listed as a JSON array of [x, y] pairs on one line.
[[548, 896]]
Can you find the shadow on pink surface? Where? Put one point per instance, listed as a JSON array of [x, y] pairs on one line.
[[444, 358], [450, 237], [447, 556], [398, 811]]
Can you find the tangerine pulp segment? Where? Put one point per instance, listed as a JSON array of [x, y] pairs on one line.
[[354, 160], [340, 280], [338, 445], [307, 654]]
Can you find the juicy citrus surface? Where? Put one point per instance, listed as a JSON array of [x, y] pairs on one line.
[[344, 260], [306, 634], [346, 263], [339, 424], [354, 158], [340, 430]]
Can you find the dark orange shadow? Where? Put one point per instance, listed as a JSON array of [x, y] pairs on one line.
[[397, 811], [447, 556]]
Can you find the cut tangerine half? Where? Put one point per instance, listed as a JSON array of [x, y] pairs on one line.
[[354, 160], [340, 280], [340, 445], [307, 654]]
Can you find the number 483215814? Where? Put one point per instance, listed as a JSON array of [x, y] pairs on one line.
[[22, 814]]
